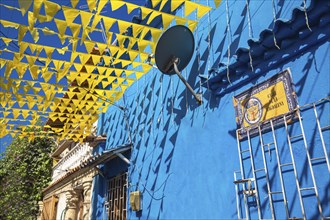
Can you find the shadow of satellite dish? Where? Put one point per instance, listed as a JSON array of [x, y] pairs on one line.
[[174, 51]]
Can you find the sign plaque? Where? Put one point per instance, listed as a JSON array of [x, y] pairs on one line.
[[267, 100]]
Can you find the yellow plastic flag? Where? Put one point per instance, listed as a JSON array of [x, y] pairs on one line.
[[91, 5], [217, 3], [167, 19], [202, 10], [47, 75], [49, 51], [75, 29], [74, 3], [175, 4], [131, 7], [180, 21], [116, 4], [108, 22], [31, 20], [155, 34], [21, 32], [101, 5], [155, 3], [70, 14], [192, 25], [34, 72], [6, 41], [9, 24], [85, 18], [153, 15], [36, 7], [21, 69], [189, 8], [51, 9], [162, 4], [61, 26], [24, 5], [89, 46], [123, 26], [145, 12]]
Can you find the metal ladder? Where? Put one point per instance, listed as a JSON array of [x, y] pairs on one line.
[[270, 193], [309, 159], [252, 180]]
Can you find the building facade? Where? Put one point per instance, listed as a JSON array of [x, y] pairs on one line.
[[193, 161], [257, 147]]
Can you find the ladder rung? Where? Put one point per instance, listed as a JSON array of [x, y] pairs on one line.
[[297, 136], [307, 188], [286, 164], [295, 218], [261, 169], [242, 181], [269, 144], [276, 192], [243, 151], [318, 158], [325, 128]]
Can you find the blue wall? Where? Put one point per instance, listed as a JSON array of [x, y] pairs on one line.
[[184, 155]]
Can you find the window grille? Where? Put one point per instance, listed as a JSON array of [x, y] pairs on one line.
[[117, 197], [277, 162]]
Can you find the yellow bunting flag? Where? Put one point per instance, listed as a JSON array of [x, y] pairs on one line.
[[24, 5], [202, 10], [69, 14], [74, 3], [217, 3], [36, 7], [167, 19], [189, 8], [51, 9], [175, 4], [91, 5], [101, 5], [116, 4]]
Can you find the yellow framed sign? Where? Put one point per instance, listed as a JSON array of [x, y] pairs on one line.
[[267, 100]]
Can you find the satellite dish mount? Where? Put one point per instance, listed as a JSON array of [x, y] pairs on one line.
[[174, 50]]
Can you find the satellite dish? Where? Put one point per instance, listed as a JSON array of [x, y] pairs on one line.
[[174, 51]]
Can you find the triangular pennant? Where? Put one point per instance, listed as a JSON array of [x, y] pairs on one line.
[[75, 29], [175, 4], [145, 12], [101, 5], [21, 33], [116, 4], [74, 3], [85, 18], [70, 14], [61, 26], [123, 26], [180, 21], [91, 5], [192, 25], [89, 46], [153, 15], [155, 34], [189, 7], [108, 22], [155, 3], [96, 20], [167, 19], [202, 10], [162, 4], [36, 7], [217, 3], [24, 5], [31, 20], [51, 9]]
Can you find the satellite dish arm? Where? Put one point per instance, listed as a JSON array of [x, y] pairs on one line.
[[197, 96]]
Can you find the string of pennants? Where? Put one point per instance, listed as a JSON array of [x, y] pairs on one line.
[[68, 86]]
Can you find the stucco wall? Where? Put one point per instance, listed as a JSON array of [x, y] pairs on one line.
[[184, 155]]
